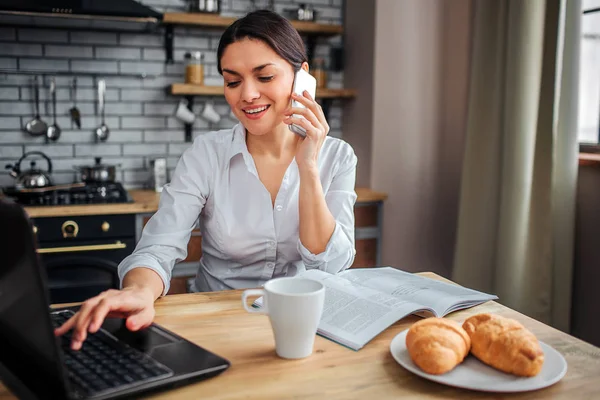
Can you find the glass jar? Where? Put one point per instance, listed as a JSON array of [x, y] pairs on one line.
[[194, 68], [319, 72], [204, 6]]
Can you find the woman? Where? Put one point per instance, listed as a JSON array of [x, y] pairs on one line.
[[269, 202]]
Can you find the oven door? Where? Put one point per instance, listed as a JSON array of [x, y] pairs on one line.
[[83, 270]]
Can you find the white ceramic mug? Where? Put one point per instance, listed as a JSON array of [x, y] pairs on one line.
[[210, 114], [294, 306], [183, 113]]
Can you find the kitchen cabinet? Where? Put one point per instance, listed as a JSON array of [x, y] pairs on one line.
[[179, 285], [367, 235], [366, 253], [81, 254]]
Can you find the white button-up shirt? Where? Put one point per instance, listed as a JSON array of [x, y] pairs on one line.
[[246, 239]]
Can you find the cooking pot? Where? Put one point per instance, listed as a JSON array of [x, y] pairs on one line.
[[103, 173], [32, 178]]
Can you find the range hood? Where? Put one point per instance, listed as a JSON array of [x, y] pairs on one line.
[[126, 15]]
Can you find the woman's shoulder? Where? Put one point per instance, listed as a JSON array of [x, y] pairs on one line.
[[218, 139], [337, 149], [214, 145]]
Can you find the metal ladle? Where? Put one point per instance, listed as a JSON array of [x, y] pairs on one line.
[[54, 131], [36, 127], [102, 131]]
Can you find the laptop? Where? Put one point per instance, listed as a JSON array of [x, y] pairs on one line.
[[113, 363]]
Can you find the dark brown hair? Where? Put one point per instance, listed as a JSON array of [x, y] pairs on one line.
[[271, 29]]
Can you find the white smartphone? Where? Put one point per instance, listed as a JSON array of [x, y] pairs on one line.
[[302, 81]]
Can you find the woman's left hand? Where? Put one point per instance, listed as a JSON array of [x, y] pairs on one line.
[[316, 126]]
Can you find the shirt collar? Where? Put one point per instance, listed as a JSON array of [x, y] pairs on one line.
[[238, 141], [238, 146]]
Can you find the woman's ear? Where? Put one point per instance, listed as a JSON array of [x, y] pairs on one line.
[[304, 66]]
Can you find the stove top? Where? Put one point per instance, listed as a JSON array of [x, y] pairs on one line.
[[89, 193]]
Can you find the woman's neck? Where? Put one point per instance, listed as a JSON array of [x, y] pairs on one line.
[[280, 143]]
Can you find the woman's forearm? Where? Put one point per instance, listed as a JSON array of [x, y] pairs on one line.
[[316, 222], [144, 278]]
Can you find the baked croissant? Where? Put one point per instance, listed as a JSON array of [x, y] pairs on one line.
[[505, 344], [437, 345]]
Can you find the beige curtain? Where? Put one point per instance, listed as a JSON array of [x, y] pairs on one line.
[[516, 218]]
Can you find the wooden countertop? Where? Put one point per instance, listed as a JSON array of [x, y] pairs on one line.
[[367, 195], [218, 322], [587, 159], [146, 201]]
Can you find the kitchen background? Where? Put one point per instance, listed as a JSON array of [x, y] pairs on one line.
[[409, 63], [139, 112]]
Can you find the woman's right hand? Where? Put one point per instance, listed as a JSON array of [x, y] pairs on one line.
[[135, 303]]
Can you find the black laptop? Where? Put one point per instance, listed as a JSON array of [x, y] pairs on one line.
[[113, 363]]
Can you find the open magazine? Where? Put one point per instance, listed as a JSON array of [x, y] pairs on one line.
[[362, 303]]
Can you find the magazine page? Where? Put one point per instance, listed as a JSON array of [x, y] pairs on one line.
[[354, 314], [441, 297]]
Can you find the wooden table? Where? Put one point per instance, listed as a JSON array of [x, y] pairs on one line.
[[218, 322]]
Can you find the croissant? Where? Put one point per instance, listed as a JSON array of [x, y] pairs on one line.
[[504, 344], [437, 345]]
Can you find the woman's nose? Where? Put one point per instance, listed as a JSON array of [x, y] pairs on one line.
[[249, 92]]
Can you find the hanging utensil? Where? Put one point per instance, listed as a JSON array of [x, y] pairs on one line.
[[36, 127], [74, 111], [102, 131], [53, 132]]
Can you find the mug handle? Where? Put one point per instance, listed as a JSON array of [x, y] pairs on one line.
[[254, 292]]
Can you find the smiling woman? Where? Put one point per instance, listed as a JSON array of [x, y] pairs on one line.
[[257, 91], [270, 203], [258, 57]]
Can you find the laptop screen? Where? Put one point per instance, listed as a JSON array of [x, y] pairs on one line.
[[28, 349]]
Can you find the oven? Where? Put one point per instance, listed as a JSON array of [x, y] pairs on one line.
[[81, 254]]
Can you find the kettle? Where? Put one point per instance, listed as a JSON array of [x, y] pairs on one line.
[[32, 178]]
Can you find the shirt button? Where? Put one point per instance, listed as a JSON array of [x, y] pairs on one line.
[[270, 265], [271, 243], [279, 208]]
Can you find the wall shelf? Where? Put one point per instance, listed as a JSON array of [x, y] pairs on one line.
[[185, 89], [217, 21], [312, 30]]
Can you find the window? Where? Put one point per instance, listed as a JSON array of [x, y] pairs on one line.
[[589, 74]]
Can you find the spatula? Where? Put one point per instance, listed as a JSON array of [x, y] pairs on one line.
[[74, 111]]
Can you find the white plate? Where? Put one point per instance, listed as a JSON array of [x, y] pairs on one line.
[[475, 375]]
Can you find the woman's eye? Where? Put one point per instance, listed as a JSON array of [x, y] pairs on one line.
[[233, 84], [265, 78]]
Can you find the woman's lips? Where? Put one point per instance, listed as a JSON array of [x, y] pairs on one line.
[[256, 112]]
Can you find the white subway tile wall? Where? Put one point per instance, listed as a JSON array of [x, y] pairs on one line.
[[139, 112]]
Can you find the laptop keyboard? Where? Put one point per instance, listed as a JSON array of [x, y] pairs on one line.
[[105, 364]]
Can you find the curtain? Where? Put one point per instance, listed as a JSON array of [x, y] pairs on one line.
[[517, 201]]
